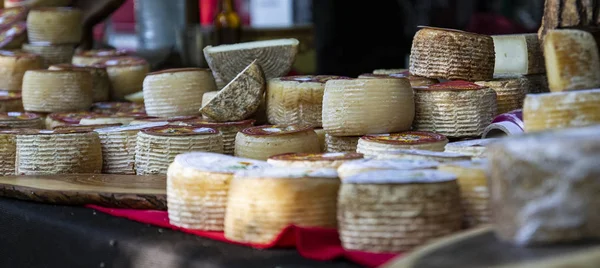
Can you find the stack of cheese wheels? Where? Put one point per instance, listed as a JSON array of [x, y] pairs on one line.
[[375, 144], [338, 144], [66, 118], [176, 92], [11, 101], [126, 75], [62, 151], [263, 202], [518, 55], [474, 191], [321, 135], [442, 157], [55, 25], [474, 148], [51, 54], [13, 66], [117, 118], [52, 91], [355, 107], [544, 187], [21, 120], [100, 81], [157, 147], [95, 56], [450, 54], [175, 120], [312, 161], [296, 99], [197, 188], [510, 92], [263, 142], [118, 147], [456, 109], [13, 36], [561, 110], [206, 97], [229, 130], [351, 168], [118, 107], [394, 211]]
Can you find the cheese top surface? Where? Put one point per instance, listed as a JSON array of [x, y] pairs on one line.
[[9, 95], [410, 137], [212, 162], [18, 116], [171, 119], [69, 66], [180, 131], [391, 164], [130, 127], [17, 54], [287, 173], [311, 78], [19, 131], [317, 157], [400, 177], [275, 130], [91, 126]]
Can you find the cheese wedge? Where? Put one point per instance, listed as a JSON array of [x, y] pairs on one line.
[[21, 120], [442, 157], [335, 144], [13, 66], [518, 54], [263, 142], [373, 145], [55, 25], [52, 91], [351, 168], [312, 161], [51, 54], [95, 56], [561, 110], [126, 75], [229, 130], [100, 83]]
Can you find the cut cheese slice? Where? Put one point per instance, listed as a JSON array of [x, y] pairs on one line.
[[263, 142], [57, 91], [442, 157], [67, 118], [473, 148], [561, 110], [51, 54], [335, 144], [21, 120], [100, 81], [229, 130], [55, 25], [126, 75], [373, 145], [351, 168], [312, 161], [510, 92], [11, 101], [95, 56], [518, 54], [13, 66]]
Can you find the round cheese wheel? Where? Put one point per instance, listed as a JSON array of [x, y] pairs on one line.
[[95, 56], [335, 144], [312, 161], [126, 75], [263, 202], [264, 141], [176, 92], [510, 92], [354, 107], [229, 130], [442, 157], [57, 91], [66, 118], [197, 188], [473, 148], [21, 120], [453, 55], [375, 144], [55, 25], [352, 168], [51, 54], [11, 101], [393, 211], [13, 36], [561, 110], [8, 149], [100, 82], [13, 66], [156, 148], [118, 107]]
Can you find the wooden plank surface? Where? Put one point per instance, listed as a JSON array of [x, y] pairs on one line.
[[117, 191]]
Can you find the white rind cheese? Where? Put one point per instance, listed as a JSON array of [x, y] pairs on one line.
[[518, 54]]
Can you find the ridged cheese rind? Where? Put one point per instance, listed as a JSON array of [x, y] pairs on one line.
[[510, 92], [51, 54], [335, 144], [261, 147], [60, 25], [57, 91], [8, 151], [355, 167], [13, 67], [371, 145]]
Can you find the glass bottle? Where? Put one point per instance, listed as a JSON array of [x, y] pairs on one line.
[[228, 26]]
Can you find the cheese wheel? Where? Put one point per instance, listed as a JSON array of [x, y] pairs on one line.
[[561, 110], [321, 135], [117, 118], [473, 148], [355, 107], [335, 144], [312, 161], [118, 107], [11, 101], [455, 109], [297, 99], [197, 188], [373, 145], [13, 66], [49, 152], [351, 168], [510, 92], [389, 71], [66, 118], [100, 81], [544, 187], [51, 54], [21, 120], [229, 130], [13, 36], [8, 150], [442, 157], [262, 202], [474, 193], [415, 81], [57, 91], [263, 142], [393, 211], [518, 54], [126, 75], [118, 147], [156, 148], [55, 25], [572, 60], [453, 55], [95, 56], [176, 92]]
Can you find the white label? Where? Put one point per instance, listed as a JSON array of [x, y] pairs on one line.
[[271, 13]]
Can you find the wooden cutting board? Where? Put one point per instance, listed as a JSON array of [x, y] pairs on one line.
[[116, 191], [480, 248]]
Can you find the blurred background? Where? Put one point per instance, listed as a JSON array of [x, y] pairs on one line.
[[338, 37]]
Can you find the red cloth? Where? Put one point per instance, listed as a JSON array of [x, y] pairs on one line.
[[312, 243]]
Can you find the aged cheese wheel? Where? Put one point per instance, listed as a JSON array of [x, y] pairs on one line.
[[240, 98], [544, 187], [274, 56], [126, 75], [321, 135], [100, 81], [118, 147], [8, 149], [262, 142], [118, 107], [312, 161], [453, 55], [572, 60], [561, 110], [335, 144], [118, 118], [197, 188], [510, 92], [11, 101], [355, 107], [51, 54], [389, 71], [66, 118], [474, 193], [229, 130], [518, 54], [13, 36], [95, 56], [393, 211], [351, 168], [263, 202], [297, 99], [456, 109], [55, 25], [373, 145], [21, 120], [474, 148], [57, 91], [13, 66], [442, 157], [156, 148], [63, 151]]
